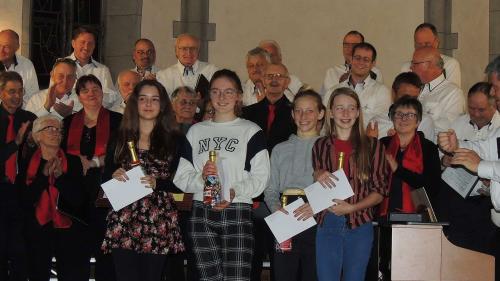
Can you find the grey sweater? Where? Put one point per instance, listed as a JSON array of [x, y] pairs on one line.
[[291, 167]]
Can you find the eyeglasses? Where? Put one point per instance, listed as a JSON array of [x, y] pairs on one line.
[[186, 102], [188, 49], [51, 130], [413, 63], [405, 116], [277, 76], [226, 93], [362, 59]]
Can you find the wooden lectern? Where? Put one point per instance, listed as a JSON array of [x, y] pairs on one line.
[[422, 252]]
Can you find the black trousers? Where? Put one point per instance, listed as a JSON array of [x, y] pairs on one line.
[[13, 260], [66, 245], [133, 266], [104, 267], [299, 264]]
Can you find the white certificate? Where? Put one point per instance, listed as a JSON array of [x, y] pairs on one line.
[[462, 181], [121, 194], [285, 226], [320, 197]]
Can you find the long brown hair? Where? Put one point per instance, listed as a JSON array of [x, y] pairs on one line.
[[360, 142], [164, 135]]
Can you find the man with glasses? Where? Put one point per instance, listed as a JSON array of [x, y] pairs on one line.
[[426, 35], [184, 101], [442, 99], [274, 115], [10, 61], [374, 96], [188, 71], [60, 98], [14, 125], [339, 73], [144, 58]]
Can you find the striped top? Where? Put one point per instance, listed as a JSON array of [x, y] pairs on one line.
[[325, 157]]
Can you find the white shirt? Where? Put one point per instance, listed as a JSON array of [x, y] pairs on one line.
[[374, 96], [334, 73], [111, 97], [465, 129], [489, 167], [443, 101], [24, 67], [451, 67], [37, 101], [172, 77], [240, 144], [249, 94]]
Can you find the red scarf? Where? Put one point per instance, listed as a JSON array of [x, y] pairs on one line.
[[76, 130], [46, 208], [412, 160]]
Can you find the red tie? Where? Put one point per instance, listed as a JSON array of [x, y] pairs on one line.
[[270, 116], [10, 165]]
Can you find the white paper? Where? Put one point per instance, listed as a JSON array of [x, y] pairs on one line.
[[321, 198], [121, 194], [285, 226], [462, 181]]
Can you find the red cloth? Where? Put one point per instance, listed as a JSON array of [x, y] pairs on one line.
[[270, 116], [76, 130], [46, 208], [11, 163], [346, 147], [413, 160]]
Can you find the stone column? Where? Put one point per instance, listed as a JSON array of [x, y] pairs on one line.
[[494, 29], [438, 12]]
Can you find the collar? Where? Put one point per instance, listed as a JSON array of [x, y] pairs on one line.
[[435, 83], [91, 61], [195, 66], [495, 121], [16, 63], [363, 84], [4, 112], [150, 69]]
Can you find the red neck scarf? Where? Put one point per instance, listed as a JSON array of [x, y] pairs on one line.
[[76, 130], [412, 160], [46, 208]]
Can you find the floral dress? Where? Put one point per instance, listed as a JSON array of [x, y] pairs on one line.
[[149, 225]]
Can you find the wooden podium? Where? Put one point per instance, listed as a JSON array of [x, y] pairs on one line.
[[422, 252]]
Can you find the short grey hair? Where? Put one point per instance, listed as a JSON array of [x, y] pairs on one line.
[[183, 89], [258, 51], [38, 124], [270, 42], [493, 67]]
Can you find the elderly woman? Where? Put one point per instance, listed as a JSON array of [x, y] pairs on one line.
[[86, 135], [53, 195], [184, 102], [413, 159]]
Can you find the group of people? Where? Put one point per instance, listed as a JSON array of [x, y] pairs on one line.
[[273, 136]]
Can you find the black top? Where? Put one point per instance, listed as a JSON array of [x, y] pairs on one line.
[[7, 149], [283, 125], [71, 200], [92, 180], [430, 178]]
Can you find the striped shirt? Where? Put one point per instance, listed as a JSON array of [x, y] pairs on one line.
[[325, 158]]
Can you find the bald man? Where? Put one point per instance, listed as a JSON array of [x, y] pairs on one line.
[[442, 99], [274, 50], [126, 81], [188, 69], [426, 35], [10, 61]]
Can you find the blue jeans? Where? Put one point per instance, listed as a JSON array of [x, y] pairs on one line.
[[340, 249]]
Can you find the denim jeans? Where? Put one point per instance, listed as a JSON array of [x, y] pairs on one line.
[[342, 250]]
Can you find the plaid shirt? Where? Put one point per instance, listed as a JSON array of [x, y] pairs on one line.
[[324, 157]]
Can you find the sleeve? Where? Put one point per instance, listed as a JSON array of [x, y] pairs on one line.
[[330, 80], [382, 102], [380, 172], [31, 83], [36, 105], [427, 127], [257, 163], [495, 194], [316, 161], [272, 192], [187, 178], [489, 170]]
